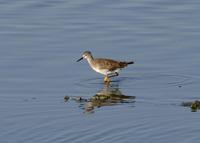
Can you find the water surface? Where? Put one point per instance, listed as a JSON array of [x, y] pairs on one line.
[[40, 42]]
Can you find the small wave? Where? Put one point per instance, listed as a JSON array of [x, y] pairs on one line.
[[142, 81]]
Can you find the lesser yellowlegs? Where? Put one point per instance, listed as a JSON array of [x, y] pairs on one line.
[[107, 67]]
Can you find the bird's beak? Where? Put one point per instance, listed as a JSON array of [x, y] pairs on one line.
[[79, 59]]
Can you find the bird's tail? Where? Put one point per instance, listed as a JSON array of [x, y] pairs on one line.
[[124, 64], [132, 62]]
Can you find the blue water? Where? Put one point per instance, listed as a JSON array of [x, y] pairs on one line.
[[40, 42]]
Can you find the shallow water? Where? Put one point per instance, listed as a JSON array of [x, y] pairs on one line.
[[40, 42]]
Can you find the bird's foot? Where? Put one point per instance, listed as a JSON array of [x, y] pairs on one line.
[[106, 80]]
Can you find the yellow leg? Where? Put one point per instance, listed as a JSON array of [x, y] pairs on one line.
[[107, 79]]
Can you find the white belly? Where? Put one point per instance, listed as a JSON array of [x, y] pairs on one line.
[[105, 71], [101, 71]]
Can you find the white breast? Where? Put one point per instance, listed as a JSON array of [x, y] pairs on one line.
[[101, 71], [104, 71]]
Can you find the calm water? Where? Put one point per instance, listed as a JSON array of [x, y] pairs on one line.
[[40, 42]]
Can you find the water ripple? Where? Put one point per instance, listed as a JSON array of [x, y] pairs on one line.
[[143, 81]]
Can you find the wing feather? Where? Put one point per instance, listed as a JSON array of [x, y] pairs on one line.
[[110, 64]]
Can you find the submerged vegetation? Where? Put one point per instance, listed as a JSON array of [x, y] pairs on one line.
[[194, 105]]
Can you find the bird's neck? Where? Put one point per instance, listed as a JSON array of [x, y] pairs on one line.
[[90, 60]]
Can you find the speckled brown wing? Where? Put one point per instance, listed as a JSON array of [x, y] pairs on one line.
[[119, 66], [109, 64]]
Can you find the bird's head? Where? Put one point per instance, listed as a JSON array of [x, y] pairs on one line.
[[85, 55]]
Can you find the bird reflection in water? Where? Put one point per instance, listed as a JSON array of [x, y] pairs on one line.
[[110, 95]]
